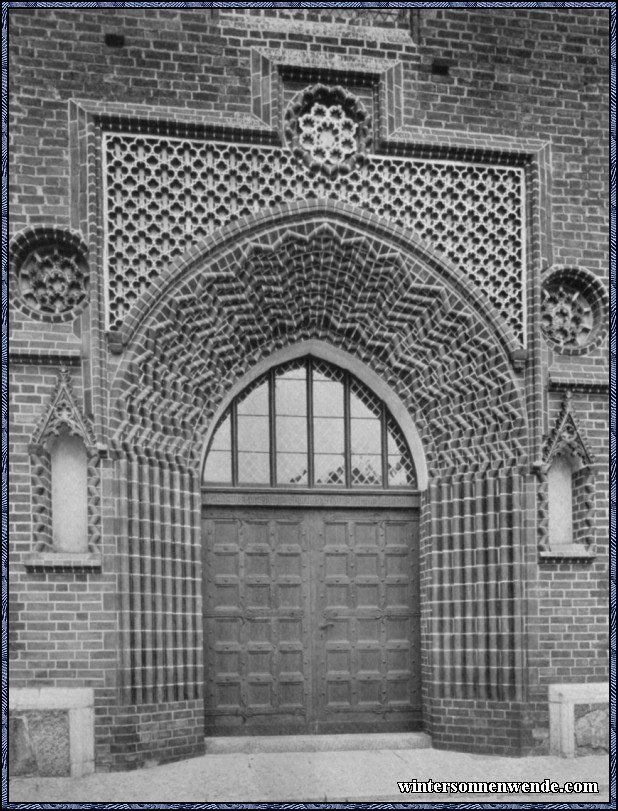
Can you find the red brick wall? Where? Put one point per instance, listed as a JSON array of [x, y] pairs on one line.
[[530, 73]]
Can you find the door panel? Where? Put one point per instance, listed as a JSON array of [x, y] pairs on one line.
[[256, 620], [369, 646], [311, 620]]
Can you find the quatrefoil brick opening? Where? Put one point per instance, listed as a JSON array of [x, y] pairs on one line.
[[327, 128]]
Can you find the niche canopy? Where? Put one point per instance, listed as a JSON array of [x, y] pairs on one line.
[[308, 424]]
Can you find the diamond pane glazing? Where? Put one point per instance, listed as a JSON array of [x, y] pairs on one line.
[[291, 434], [366, 436], [222, 440], [218, 467], [292, 468], [253, 434], [253, 468], [327, 398], [324, 373], [329, 469], [363, 404], [365, 424], [366, 470], [256, 401], [401, 470], [328, 434], [291, 394]]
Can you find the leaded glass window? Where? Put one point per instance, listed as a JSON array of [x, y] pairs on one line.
[[308, 424]]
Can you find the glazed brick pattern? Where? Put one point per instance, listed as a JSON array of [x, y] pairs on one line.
[[533, 81]]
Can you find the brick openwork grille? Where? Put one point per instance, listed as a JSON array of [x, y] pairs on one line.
[[165, 194], [326, 127]]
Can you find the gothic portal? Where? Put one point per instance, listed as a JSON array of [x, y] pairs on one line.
[[312, 327]]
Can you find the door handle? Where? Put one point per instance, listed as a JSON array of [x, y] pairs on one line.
[[326, 625]]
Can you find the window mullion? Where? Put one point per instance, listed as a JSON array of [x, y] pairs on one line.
[[272, 428], [310, 443], [347, 431], [384, 438], [234, 433]]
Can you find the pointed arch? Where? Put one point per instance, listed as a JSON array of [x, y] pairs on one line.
[[361, 295], [65, 463], [343, 360], [253, 233], [567, 490], [325, 272], [566, 437]]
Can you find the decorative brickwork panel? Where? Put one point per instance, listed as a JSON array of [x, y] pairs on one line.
[[566, 440], [327, 128], [49, 278], [332, 285], [160, 571], [164, 195], [323, 282], [476, 534], [575, 310], [63, 414]]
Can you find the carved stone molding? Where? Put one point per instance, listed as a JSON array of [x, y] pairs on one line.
[[63, 412], [566, 437]]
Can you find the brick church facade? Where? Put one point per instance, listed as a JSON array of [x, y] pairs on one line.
[[308, 375]]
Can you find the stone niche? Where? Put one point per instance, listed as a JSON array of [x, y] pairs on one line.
[[578, 719], [51, 732]]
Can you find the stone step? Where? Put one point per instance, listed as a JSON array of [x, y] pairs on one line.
[[259, 744]]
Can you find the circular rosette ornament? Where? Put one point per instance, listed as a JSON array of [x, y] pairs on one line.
[[574, 310], [327, 128], [49, 272]]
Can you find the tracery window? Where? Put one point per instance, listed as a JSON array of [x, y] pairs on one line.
[[308, 424]]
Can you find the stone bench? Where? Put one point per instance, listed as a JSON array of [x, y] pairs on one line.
[[578, 719]]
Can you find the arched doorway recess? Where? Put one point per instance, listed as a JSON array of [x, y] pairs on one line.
[[310, 559], [328, 276]]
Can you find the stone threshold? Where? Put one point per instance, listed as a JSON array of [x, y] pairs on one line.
[[348, 742]]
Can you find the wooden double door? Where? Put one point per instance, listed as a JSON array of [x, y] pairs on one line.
[[311, 620]]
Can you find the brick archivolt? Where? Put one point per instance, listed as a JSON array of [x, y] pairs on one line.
[[325, 278], [321, 279]]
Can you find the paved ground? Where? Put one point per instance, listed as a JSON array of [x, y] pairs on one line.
[[334, 776]]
